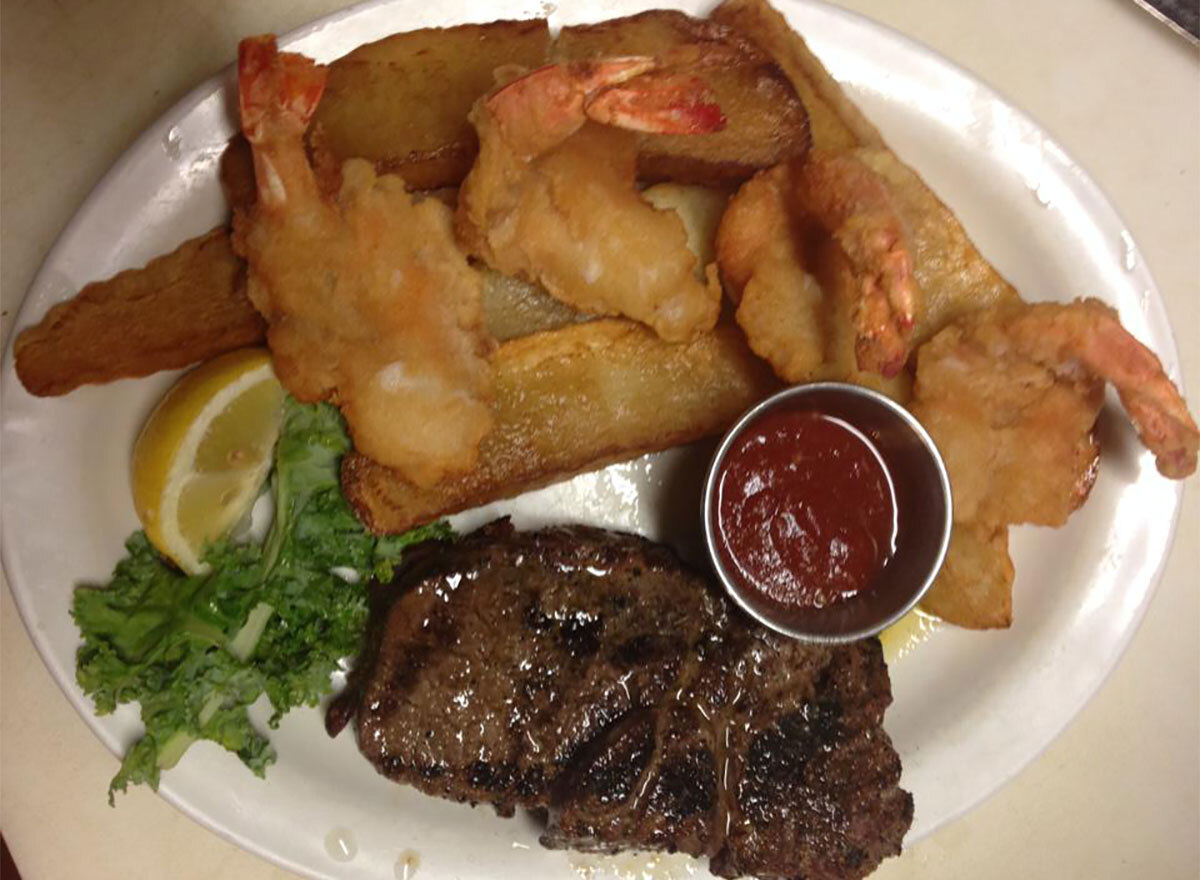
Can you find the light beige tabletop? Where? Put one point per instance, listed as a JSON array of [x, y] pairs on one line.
[[1116, 796]]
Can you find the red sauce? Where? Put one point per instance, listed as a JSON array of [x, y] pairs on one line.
[[805, 511]]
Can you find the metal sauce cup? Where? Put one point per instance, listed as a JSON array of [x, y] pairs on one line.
[[923, 508]]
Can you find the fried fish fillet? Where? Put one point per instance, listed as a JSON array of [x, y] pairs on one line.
[[571, 400], [185, 306]]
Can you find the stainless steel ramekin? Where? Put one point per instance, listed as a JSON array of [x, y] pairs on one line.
[[924, 510]]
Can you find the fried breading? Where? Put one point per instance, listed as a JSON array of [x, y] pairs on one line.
[[552, 196], [780, 306], [1015, 434], [572, 400], [974, 587], [369, 302], [186, 306], [782, 264], [792, 312], [954, 278]]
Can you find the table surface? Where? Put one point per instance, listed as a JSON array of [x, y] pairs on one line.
[[1116, 796]]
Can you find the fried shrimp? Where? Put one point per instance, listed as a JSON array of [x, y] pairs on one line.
[[792, 304], [1011, 396], [780, 306], [763, 250], [552, 194], [369, 302], [892, 263], [854, 206]]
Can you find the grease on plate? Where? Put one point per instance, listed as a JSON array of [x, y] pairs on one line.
[[635, 866], [908, 633]]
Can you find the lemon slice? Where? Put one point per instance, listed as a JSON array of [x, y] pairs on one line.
[[204, 453]]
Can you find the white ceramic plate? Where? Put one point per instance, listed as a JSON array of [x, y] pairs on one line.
[[970, 709]]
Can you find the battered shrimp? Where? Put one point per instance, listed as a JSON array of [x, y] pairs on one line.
[[853, 204], [1011, 396], [369, 302], [791, 302], [551, 196], [775, 225], [891, 264], [780, 306]]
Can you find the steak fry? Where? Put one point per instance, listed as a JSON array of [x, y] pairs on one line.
[[592, 674], [402, 102], [836, 123], [571, 400], [186, 306]]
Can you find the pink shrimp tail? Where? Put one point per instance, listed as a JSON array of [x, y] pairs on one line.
[[661, 104], [276, 88], [854, 205], [545, 106]]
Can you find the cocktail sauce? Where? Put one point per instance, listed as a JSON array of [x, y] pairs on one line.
[[806, 510]]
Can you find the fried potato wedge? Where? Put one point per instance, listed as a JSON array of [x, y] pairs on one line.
[[766, 121], [836, 123], [513, 307], [402, 102], [974, 588], [572, 400], [191, 305], [186, 306]]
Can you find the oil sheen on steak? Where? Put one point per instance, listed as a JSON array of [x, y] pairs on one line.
[[591, 674]]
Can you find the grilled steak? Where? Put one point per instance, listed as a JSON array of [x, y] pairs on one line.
[[593, 675]]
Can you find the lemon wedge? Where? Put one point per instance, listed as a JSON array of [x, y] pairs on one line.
[[204, 452]]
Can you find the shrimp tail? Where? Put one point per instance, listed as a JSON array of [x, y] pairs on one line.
[[1170, 435], [666, 104], [276, 89], [853, 204], [1154, 405], [544, 107], [278, 93]]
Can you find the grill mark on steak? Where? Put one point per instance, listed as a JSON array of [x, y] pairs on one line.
[[592, 676]]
